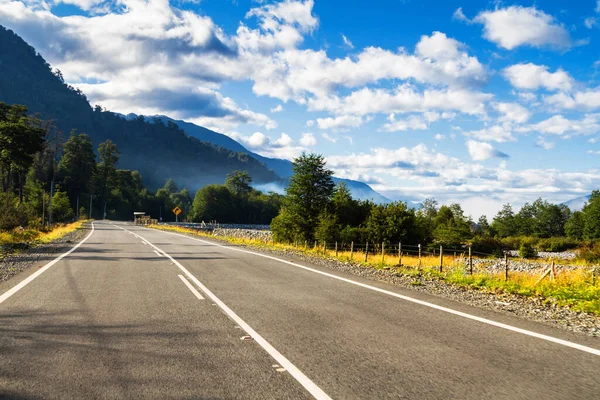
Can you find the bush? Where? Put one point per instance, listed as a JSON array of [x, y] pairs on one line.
[[557, 244], [487, 245], [590, 252], [511, 242], [61, 208], [526, 250]]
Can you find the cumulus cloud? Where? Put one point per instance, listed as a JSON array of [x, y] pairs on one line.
[[512, 112], [308, 140], [460, 16], [541, 142], [278, 108], [481, 151], [496, 133], [516, 26], [559, 125], [587, 100], [531, 76], [341, 123]]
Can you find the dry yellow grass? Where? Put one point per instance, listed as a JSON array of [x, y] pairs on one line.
[[20, 235]]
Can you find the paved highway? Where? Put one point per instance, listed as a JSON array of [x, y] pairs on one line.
[[140, 313]]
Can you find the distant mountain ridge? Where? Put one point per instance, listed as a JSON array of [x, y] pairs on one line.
[[283, 168], [577, 203]]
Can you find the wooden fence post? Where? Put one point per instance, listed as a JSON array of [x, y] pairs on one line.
[[505, 266], [470, 261], [419, 255], [382, 252], [351, 250], [306, 245], [367, 252], [400, 253], [315, 245], [336, 249], [324, 247], [441, 259]]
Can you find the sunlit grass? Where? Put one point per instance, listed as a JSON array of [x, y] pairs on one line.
[[20, 235], [576, 289]]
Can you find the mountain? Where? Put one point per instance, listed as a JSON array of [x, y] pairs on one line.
[[283, 168], [577, 204], [158, 150]]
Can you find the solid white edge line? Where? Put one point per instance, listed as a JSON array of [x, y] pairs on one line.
[[31, 277], [158, 254], [192, 289], [309, 385], [407, 298]]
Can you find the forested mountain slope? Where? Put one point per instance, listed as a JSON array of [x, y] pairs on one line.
[[159, 151]]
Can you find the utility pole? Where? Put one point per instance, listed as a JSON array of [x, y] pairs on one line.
[[91, 197], [77, 211]]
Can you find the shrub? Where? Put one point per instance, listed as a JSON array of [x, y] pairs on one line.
[[557, 244], [61, 208], [487, 245], [590, 252], [526, 250], [511, 242]]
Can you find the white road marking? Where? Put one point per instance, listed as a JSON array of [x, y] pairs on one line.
[[31, 277], [407, 298], [192, 289], [309, 385], [158, 254]]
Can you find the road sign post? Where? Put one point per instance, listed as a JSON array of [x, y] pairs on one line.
[[176, 211]]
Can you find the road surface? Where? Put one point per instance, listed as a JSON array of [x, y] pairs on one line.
[[140, 313]]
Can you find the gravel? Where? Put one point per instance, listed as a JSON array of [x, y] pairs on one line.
[[12, 264]]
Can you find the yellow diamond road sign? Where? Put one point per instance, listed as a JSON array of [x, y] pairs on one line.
[[177, 210]]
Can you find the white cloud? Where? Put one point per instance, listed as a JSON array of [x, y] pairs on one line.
[[512, 112], [308, 140], [256, 140], [329, 138], [341, 123], [403, 99], [481, 151], [347, 42], [460, 16], [531, 76], [310, 123], [283, 141], [583, 100], [277, 109], [439, 137], [541, 142], [516, 26], [594, 152], [590, 22], [559, 125], [495, 133], [414, 122]]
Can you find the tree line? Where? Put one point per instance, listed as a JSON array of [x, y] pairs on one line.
[[315, 209], [48, 180]]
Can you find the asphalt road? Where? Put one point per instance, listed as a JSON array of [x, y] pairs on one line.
[[118, 318]]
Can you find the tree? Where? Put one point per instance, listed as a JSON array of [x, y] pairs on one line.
[[21, 138], [504, 222], [107, 168], [171, 186], [238, 182], [452, 228], [483, 227], [213, 203], [591, 216], [327, 230], [77, 165], [308, 193], [574, 227]]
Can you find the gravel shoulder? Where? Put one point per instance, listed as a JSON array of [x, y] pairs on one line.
[[532, 308], [25, 261]]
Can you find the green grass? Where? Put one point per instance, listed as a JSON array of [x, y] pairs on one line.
[[575, 289]]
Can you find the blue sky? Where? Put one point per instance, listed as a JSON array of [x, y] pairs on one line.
[[466, 101]]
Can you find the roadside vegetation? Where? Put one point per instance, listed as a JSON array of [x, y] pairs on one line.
[[321, 219]]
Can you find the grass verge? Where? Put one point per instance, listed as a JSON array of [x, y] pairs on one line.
[[577, 289], [34, 236]]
